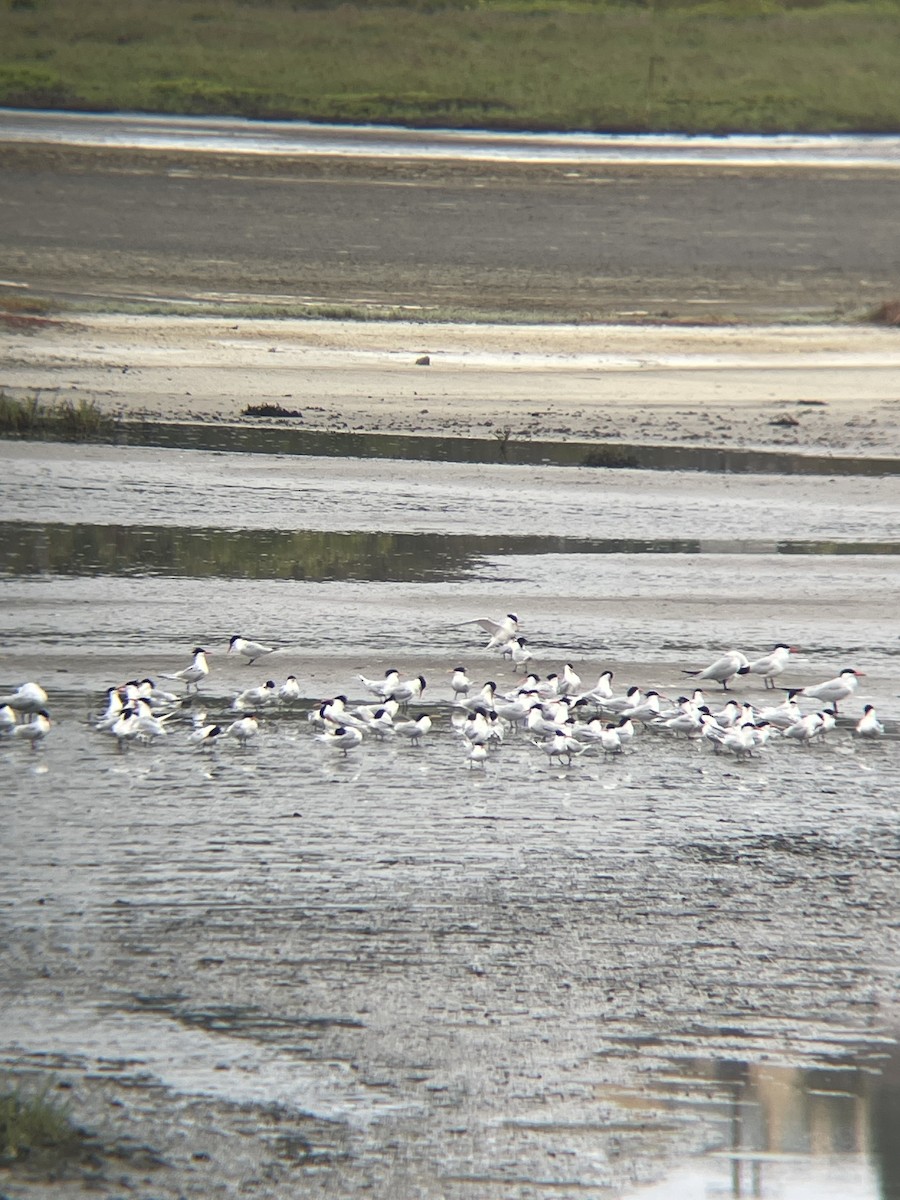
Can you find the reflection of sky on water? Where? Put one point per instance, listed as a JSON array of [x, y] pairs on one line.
[[234, 134], [791, 1132], [189, 1060], [62, 485]]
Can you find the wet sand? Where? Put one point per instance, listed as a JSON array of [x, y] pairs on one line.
[[277, 972], [585, 242], [281, 975]]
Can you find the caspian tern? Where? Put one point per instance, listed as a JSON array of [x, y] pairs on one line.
[[645, 711], [193, 675], [29, 698], [741, 740], [289, 692], [616, 705], [602, 689], [249, 650], [460, 683], [206, 735], [33, 731], [244, 729], [832, 690], [125, 728], [568, 683], [476, 756], [804, 730], [407, 690], [343, 737], [500, 632], [258, 697], [868, 724], [781, 715], [484, 698], [381, 687], [414, 730], [611, 739], [770, 665], [517, 649], [723, 670]]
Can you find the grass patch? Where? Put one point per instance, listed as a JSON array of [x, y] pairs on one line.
[[27, 305], [690, 65], [36, 1128], [79, 421], [260, 310]]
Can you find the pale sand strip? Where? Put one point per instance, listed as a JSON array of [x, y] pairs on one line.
[[722, 386]]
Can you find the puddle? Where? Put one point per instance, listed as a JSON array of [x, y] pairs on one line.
[[785, 1131]]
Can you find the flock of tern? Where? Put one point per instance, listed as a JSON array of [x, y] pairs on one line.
[[555, 713]]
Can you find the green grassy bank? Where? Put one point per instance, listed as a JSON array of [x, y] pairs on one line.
[[751, 65]]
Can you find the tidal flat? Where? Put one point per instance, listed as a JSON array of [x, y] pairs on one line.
[[280, 971]]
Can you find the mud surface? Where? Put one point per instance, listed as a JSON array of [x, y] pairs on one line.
[[279, 972], [592, 243]]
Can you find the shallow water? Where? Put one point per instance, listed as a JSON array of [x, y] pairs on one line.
[[535, 979], [492, 451]]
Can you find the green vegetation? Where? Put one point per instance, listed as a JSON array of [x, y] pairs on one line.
[[35, 1128], [719, 65], [63, 419], [19, 315]]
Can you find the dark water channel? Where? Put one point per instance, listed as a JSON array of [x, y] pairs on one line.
[[669, 975], [28, 548], [283, 439]]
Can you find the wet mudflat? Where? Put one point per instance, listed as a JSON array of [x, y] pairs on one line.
[[277, 971], [605, 241]]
